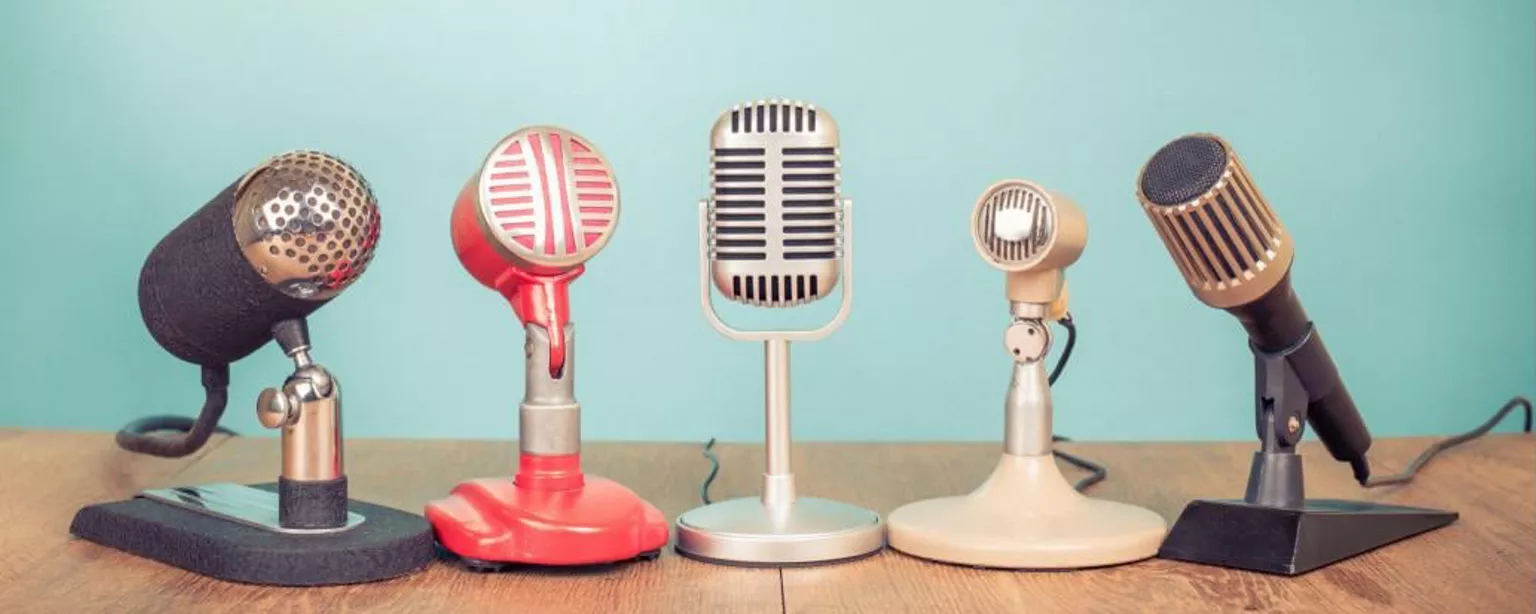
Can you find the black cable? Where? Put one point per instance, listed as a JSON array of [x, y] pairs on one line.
[[1451, 442], [1066, 350], [188, 436], [714, 470], [1096, 472]]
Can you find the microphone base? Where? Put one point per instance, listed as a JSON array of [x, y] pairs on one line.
[[1026, 516], [379, 543], [807, 531], [493, 524], [1289, 541]]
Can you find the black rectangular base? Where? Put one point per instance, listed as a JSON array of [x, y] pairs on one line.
[[1233, 533], [387, 544]]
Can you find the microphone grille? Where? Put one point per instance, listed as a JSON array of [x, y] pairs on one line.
[[307, 222], [548, 197], [775, 216], [1225, 239], [1013, 224]]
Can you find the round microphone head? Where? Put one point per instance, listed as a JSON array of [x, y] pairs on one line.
[[1019, 226], [307, 222], [1225, 239], [546, 199]]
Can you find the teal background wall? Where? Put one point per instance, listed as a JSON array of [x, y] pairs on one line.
[[1394, 138]]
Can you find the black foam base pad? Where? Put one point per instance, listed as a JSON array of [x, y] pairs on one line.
[[389, 543], [1232, 533]]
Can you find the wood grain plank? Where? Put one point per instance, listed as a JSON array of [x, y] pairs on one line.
[[406, 475], [49, 475], [1484, 563]]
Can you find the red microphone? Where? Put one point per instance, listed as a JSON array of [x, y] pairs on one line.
[[543, 202]]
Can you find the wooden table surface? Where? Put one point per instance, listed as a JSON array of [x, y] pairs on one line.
[[1486, 562]]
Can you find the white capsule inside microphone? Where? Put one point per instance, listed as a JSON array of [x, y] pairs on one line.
[[1013, 224]]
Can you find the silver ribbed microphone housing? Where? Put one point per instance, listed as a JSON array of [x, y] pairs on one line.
[[307, 222], [775, 214], [1225, 239]]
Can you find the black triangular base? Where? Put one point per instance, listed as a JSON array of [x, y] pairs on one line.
[[1232, 533]]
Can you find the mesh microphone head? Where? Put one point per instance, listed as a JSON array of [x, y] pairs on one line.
[[545, 199], [1226, 240], [276, 244], [307, 222], [775, 214], [1019, 226]]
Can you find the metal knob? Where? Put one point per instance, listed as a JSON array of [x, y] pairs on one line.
[[1027, 340], [276, 408]]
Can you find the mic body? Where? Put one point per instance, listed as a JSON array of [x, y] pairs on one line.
[[775, 219], [775, 232], [1235, 255], [275, 245], [543, 202], [1031, 233]]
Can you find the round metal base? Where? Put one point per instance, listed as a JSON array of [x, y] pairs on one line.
[[808, 531]]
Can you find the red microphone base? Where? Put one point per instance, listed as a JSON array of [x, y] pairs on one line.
[[551, 520]]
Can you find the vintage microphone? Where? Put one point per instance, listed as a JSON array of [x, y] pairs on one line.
[[249, 267], [1235, 255], [775, 233], [1027, 515], [542, 203]]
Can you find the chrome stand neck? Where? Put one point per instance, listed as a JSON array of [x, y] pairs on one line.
[[1027, 408], [778, 477], [549, 419]]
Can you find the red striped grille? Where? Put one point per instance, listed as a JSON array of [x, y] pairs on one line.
[[549, 196]]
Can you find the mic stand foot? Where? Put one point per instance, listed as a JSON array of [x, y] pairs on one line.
[[1026, 516], [1274, 528], [779, 527], [301, 531], [550, 513], [231, 532], [806, 531]]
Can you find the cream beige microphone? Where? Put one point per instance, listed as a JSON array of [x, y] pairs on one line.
[[776, 233], [1027, 515]]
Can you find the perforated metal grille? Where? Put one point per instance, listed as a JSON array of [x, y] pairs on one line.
[[308, 222]]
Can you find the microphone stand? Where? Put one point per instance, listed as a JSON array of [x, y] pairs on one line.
[[1274, 528], [301, 531], [549, 512], [1026, 515], [778, 527], [311, 494]]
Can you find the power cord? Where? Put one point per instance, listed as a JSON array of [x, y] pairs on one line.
[[1451, 442], [177, 436], [714, 470], [1097, 472]]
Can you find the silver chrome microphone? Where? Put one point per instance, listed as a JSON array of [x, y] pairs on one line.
[[775, 220], [776, 233]]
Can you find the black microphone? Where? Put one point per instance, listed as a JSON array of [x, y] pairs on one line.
[[1235, 255], [271, 248]]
